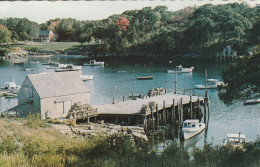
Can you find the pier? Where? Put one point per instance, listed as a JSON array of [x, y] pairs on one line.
[[151, 112]]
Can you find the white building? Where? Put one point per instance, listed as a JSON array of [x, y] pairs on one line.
[[51, 94]]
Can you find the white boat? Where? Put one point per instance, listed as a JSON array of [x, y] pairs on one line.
[[29, 69], [11, 86], [180, 69], [191, 128], [68, 67], [35, 62], [235, 140], [86, 77], [211, 84], [95, 63], [55, 65], [251, 101]]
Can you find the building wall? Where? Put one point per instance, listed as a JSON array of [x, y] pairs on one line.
[[55, 107], [27, 91]]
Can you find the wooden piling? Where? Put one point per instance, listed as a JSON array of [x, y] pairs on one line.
[[181, 111], [151, 107], [123, 98], [175, 90], [190, 107], [173, 111], [164, 115], [157, 115], [205, 109]]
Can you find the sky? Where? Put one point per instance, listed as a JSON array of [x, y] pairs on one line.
[[42, 11]]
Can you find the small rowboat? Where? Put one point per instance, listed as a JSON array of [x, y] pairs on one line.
[[145, 78]]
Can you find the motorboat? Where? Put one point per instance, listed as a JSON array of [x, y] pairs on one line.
[[236, 140], [251, 101], [35, 62], [211, 84], [180, 69], [21, 63], [29, 69], [145, 78], [11, 86], [191, 128], [94, 63], [54, 65], [86, 77], [68, 67]]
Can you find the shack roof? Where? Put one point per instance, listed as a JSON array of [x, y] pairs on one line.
[[57, 84]]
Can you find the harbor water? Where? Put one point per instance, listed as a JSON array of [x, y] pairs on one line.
[[118, 79]]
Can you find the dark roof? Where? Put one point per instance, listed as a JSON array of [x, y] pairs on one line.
[[44, 32], [57, 84]]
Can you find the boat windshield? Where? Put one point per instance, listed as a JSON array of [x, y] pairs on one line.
[[189, 125]]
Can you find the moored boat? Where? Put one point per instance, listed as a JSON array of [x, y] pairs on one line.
[[11, 86], [180, 69], [68, 67], [21, 63], [236, 140], [86, 77], [191, 128], [29, 69], [94, 63], [251, 101], [145, 78], [211, 84]]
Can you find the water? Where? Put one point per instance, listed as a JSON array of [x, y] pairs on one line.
[[118, 79]]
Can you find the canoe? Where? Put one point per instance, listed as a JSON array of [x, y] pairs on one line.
[[145, 78]]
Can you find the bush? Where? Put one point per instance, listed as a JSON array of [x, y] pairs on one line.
[[3, 51], [8, 144], [34, 121]]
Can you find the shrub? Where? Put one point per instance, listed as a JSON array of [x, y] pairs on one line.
[[8, 144], [3, 51], [34, 121]]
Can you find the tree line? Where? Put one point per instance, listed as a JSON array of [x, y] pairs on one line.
[[199, 30]]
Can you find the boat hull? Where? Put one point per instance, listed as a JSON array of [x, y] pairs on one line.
[[186, 135], [145, 78]]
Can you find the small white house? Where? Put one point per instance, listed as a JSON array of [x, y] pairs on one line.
[[51, 94], [228, 51]]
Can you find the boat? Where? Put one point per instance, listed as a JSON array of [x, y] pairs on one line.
[[251, 101], [29, 69], [54, 65], [21, 63], [68, 67], [236, 140], [145, 78], [11, 86], [191, 128], [86, 77], [180, 69], [211, 84], [35, 62], [95, 63]]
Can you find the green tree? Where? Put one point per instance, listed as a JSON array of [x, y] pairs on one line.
[[5, 34]]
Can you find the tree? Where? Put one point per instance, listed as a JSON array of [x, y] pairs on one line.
[[123, 23], [242, 79], [5, 34]]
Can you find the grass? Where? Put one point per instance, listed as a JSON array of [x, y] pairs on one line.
[[26, 146]]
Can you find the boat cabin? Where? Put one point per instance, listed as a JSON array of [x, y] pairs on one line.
[[179, 68], [212, 82], [235, 139], [191, 123]]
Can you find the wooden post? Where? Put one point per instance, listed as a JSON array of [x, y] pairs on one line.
[[129, 120], [113, 101], [190, 107], [173, 111], [87, 118], [137, 120], [175, 90], [181, 111], [198, 107], [179, 114], [157, 114], [145, 122], [123, 98], [151, 108], [205, 109], [164, 115]]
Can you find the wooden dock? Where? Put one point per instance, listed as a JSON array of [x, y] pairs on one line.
[[153, 112], [133, 107]]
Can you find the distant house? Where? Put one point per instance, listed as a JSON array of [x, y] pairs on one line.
[[228, 51], [45, 36], [51, 94]]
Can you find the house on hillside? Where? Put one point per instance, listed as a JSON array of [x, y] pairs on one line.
[[228, 51], [45, 36], [51, 94]]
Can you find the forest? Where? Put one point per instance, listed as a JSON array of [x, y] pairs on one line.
[[202, 30]]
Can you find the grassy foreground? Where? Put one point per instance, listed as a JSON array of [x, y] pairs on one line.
[[32, 142]]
